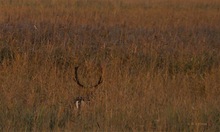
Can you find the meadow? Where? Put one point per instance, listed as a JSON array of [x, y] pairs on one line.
[[160, 62]]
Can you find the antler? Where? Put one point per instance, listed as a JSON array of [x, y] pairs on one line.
[[82, 85]]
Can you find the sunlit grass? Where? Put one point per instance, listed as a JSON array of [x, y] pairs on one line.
[[159, 60]]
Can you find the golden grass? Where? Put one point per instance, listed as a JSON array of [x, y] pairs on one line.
[[160, 62]]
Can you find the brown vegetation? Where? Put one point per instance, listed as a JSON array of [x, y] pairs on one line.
[[159, 59]]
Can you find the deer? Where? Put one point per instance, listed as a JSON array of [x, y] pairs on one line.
[[81, 101]]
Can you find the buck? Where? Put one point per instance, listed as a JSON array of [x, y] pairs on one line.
[[81, 101]]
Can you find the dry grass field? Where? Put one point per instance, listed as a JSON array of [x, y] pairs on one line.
[[160, 62]]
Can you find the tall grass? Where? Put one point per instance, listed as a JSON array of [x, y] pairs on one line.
[[160, 62]]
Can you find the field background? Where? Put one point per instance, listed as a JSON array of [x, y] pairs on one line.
[[160, 62]]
